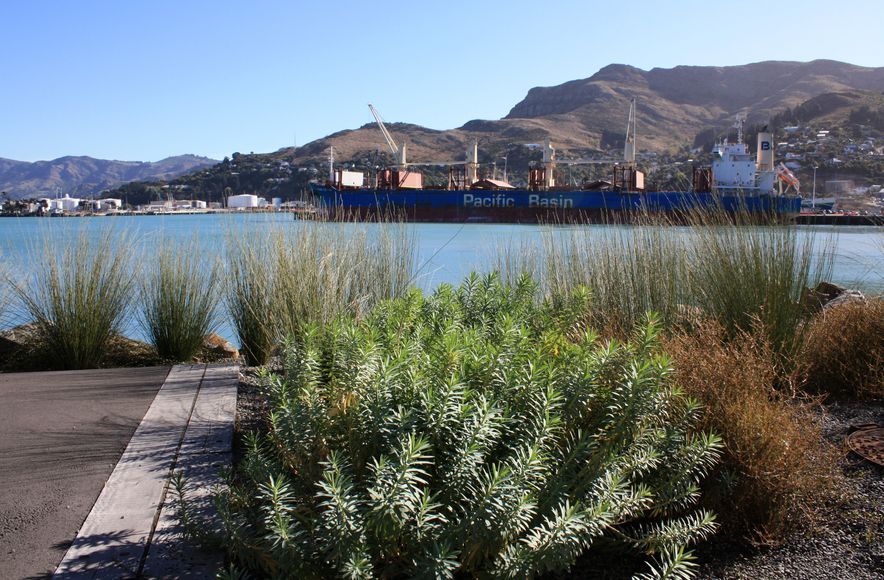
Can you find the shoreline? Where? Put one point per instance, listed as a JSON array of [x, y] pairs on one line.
[[801, 220]]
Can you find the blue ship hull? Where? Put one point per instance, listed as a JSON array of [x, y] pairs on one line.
[[524, 206]]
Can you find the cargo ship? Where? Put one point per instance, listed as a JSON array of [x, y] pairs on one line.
[[734, 183]]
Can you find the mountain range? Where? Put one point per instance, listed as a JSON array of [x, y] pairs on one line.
[[87, 176], [674, 105]]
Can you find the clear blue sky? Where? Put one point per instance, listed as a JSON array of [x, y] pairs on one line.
[[142, 80]]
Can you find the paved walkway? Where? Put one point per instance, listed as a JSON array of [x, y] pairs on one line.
[[132, 531], [61, 434]]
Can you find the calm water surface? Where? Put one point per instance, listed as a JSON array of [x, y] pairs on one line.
[[445, 252]]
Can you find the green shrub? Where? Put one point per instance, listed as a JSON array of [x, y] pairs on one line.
[[472, 431], [79, 294], [179, 297]]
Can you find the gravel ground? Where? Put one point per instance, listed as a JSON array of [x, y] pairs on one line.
[[848, 542]]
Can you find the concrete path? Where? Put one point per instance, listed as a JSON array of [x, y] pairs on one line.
[[61, 434], [132, 531]]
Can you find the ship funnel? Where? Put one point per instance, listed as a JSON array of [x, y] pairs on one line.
[[549, 152], [473, 163], [765, 158]]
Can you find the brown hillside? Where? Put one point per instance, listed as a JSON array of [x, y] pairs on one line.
[[673, 106]]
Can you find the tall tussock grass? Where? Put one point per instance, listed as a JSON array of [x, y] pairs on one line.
[[473, 433], [705, 264], [5, 292], [250, 296], [179, 300], [78, 295], [777, 469], [629, 270], [313, 272], [748, 275]]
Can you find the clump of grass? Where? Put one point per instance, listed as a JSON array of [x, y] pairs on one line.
[[629, 270], [326, 269], [744, 276], [843, 354], [179, 297], [250, 296], [718, 265], [284, 278], [5, 283], [78, 296], [777, 470]]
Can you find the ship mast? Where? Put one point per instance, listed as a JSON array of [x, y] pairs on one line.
[[398, 152], [629, 145]]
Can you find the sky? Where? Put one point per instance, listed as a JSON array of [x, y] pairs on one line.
[[144, 80]]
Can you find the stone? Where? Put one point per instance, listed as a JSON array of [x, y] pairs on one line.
[[17, 339], [826, 295], [219, 348], [844, 298]]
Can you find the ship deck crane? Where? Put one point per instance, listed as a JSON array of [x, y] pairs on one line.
[[628, 147], [399, 153]]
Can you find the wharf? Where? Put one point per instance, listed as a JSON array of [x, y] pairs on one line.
[[823, 219]]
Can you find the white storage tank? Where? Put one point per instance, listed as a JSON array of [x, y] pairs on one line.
[[241, 201], [277, 202]]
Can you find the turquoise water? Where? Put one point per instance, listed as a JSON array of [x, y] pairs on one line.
[[445, 252]]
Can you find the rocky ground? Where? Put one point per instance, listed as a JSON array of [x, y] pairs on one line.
[[846, 542]]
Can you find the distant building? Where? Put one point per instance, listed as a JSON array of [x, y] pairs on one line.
[[60, 204], [242, 201], [107, 204], [157, 207], [839, 185]]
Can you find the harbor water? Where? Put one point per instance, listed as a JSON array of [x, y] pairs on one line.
[[445, 253]]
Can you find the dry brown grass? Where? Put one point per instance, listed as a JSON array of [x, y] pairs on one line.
[[777, 470], [843, 353]]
